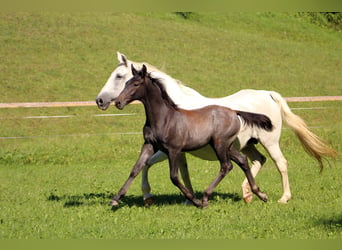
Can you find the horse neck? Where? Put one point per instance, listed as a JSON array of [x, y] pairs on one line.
[[156, 108]]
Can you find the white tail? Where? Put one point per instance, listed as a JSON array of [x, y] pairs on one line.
[[312, 144]]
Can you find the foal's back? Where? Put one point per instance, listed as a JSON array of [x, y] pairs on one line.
[[200, 126]]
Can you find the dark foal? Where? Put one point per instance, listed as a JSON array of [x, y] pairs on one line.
[[174, 130]]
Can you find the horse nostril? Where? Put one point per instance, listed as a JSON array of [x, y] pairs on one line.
[[99, 101]]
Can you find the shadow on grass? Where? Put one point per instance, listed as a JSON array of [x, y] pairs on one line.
[[331, 224], [131, 200]]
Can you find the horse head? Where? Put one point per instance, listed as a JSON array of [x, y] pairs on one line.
[[134, 88], [115, 83]]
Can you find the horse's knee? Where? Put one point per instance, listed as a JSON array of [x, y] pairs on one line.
[[243, 163], [229, 167], [226, 167]]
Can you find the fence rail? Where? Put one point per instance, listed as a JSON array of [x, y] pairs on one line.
[[92, 103]]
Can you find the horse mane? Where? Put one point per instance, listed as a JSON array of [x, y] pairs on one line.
[[149, 66], [162, 76], [164, 94]]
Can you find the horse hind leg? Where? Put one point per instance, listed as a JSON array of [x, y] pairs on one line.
[[225, 167], [257, 160], [281, 164], [241, 160]]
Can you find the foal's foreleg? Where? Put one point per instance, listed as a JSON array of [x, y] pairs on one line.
[[184, 171], [174, 159], [158, 157], [146, 152], [241, 160]]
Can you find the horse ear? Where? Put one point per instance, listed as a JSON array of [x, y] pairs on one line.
[[143, 70], [134, 71], [122, 58]]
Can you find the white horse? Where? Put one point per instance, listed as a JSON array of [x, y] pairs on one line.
[[269, 103]]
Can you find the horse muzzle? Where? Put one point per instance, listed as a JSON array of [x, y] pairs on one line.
[[119, 104], [101, 104]]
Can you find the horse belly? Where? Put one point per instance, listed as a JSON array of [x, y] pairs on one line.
[[205, 153]]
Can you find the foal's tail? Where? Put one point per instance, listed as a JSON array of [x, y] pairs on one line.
[[259, 120], [312, 144]]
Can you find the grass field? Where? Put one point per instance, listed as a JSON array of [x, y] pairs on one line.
[[56, 181]]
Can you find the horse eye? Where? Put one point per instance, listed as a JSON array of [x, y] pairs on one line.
[[119, 76]]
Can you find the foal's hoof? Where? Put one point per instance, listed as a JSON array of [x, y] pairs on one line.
[[263, 197], [197, 203], [205, 204], [148, 201], [248, 199], [114, 203]]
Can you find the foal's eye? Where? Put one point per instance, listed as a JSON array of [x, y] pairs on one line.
[[119, 76]]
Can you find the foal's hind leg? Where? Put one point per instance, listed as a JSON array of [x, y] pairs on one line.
[[241, 160], [226, 166], [257, 160]]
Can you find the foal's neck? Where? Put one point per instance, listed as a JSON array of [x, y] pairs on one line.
[[156, 106]]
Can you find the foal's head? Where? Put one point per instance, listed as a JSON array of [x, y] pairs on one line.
[[134, 88]]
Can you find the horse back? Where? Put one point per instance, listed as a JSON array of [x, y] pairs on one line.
[[213, 119]]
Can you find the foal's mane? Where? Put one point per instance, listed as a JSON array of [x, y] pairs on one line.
[[164, 94]]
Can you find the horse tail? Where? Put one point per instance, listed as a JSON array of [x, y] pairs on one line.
[[311, 143], [259, 120]]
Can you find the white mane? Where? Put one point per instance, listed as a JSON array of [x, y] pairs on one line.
[[178, 92]]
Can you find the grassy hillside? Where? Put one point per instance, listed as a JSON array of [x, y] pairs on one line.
[[66, 57]]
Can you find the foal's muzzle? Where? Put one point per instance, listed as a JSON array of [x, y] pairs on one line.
[[119, 104]]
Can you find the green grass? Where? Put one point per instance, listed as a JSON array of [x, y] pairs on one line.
[[58, 180]]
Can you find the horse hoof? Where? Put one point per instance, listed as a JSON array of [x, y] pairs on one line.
[[248, 199], [263, 197], [197, 203], [114, 203], [205, 204], [283, 201], [148, 202]]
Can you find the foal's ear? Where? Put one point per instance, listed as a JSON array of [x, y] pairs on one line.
[[143, 71], [122, 58], [134, 71]]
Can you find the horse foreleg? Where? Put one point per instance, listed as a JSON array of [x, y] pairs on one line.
[[257, 160], [241, 160], [146, 152], [145, 185], [174, 159]]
